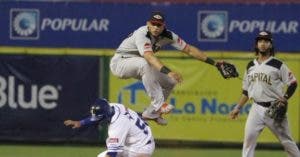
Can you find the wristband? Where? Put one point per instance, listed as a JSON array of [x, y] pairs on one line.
[[165, 70], [290, 90], [210, 61]]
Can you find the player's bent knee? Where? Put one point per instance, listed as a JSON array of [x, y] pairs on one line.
[[172, 84], [146, 68]]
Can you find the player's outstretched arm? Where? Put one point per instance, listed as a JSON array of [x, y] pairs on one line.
[[72, 123], [84, 122], [198, 54], [226, 69]]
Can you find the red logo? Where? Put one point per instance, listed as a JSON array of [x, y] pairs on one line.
[[147, 46], [179, 41], [113, 140]]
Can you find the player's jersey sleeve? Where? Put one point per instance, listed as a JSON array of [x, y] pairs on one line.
[[117, 132], [286, 75], [142, 42], [245, 81], [178, 43]]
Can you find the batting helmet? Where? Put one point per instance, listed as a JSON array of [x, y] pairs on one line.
[[101, 110], [264, 35]]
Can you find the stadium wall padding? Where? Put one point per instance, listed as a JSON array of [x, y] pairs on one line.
[[202, 101], [37, 93], [230, 27]]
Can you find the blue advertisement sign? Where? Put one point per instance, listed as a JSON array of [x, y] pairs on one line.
[[37, 93], [104, 25]]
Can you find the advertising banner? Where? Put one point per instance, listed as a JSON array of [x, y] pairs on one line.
[[202, 103], [37, 93], [104, 25]]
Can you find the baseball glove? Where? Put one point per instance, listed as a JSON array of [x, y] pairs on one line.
[[277, 110], [227, 70]]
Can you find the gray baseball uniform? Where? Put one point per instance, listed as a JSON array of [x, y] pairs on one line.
[[128, 62], [264, 83]]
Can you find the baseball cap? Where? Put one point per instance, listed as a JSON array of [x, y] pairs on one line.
[[264, 35], [157, 17]]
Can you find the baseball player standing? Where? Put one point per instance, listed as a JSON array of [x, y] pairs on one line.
[[135, 58], [128, 134], [263, 82]]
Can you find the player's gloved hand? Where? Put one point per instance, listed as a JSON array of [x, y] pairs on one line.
[[175, 76], [234, 113], [277, 110], [73, 124], [227, 70]]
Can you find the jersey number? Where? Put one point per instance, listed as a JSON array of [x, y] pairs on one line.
[[142, 125]]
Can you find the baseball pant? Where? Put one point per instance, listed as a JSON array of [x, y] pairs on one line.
[[256, 122], [158, 85]]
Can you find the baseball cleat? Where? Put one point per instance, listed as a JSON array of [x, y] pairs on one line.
[[159, 120], [154, 116], [166, 108], [150, 114]]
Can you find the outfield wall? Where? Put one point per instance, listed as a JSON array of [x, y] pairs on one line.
[[202, 101], [37, 93]]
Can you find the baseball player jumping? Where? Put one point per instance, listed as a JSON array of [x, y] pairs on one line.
[[263, 82], [128, 134], [135, 58]]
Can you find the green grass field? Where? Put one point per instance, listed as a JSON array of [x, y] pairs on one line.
[[92, 151]]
